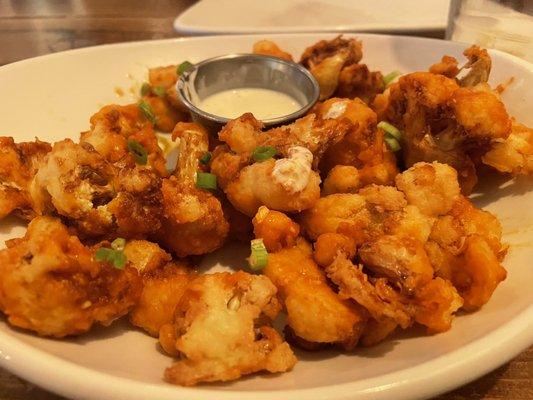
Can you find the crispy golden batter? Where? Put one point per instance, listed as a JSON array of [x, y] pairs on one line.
[[249, 185], [145, 256], [166, 114], [166, 78], [450, 121], [221, 330], [162, 290], [51, 284], [432, 188], [335, 65], [99, 199], [113, 126], [432, 305], [193, 221], [465, 248], [314, 311], [269, 48], [513, 155], [18, 164], [362, 147]]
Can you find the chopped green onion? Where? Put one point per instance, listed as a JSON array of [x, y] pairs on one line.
[[205, 158], [147, 111], [390, 129], [159, 91], [118, 244], [387, 79], [139, 152], [263, 153], [184, 67], [393, 144], [115, 257], [145, 89], [205, 180], [259, 257]]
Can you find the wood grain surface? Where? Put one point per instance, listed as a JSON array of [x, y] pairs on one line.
[[32, 28]]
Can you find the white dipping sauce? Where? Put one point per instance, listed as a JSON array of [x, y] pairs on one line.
[[262, 103]]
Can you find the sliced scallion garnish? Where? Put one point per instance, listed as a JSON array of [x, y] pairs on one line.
[[205, 180], [392, 143], [159, 91], [391, 76], [390, 129], [206, 158], [145, 89], [184, 67], [147, 111], [139, 152], [115, 257], [263, 153], [259, 255]]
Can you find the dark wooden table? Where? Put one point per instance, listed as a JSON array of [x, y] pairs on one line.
[[31, 28]]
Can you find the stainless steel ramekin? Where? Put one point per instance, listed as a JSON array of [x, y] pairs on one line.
[[235, 71]]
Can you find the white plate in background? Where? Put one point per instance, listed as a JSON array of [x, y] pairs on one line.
[[53, 96], [255, 16]]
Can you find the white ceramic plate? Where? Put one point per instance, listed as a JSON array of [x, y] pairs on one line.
[[254, 16], [53, 96]]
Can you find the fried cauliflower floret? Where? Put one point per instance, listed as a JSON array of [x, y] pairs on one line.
[[354, 284], [243, 135], [162, 290], [513, 155], [221, 330], [315, 312], [401, 260], [445, 120], [193, 221], [341, 179], [269, 48], [362, 147], [111, 129], [328, 245], [330, 212], [255, 187], [327, 58], [447, 66], [166, 115], [78, 183], [357, 80], [432, 305], [145, 256], [275, 228], [18, 164], [465, 248], [51, 284], [432, 188]]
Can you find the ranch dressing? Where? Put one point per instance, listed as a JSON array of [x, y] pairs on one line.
[[264, 104]]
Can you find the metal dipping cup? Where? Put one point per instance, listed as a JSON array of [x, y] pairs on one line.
[[235, 71]]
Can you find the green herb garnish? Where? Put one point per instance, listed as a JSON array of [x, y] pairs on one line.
[[139, 152], [205, 180], [147, 111], [206, 158], [263, 153], [145, 89], [184, 67], [117, 258], [259, 255], [391, 76], [159, 91], [390, 130]]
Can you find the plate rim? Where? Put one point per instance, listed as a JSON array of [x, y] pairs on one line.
[[181, 27], [68, 378]]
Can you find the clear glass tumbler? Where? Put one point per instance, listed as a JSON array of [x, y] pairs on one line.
[[505, 25]]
